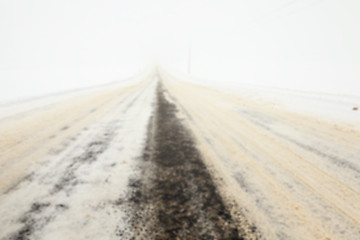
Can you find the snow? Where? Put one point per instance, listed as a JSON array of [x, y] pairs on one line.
[[78, 174]]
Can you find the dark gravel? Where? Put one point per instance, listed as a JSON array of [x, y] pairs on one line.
[[176, 197]]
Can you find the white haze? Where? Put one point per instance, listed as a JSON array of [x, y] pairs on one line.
[[50, 46]]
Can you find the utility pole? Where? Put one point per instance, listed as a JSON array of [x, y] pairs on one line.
[[189, 61]]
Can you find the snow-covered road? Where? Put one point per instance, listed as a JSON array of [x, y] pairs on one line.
[[174, 160], [295, 176], [64, 167]]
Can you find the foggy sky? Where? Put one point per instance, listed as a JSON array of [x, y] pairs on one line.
[[47, 46]]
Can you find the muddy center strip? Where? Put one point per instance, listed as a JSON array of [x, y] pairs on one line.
[[176, 197]]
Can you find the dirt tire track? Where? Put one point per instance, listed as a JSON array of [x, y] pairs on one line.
[[176, 197]]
